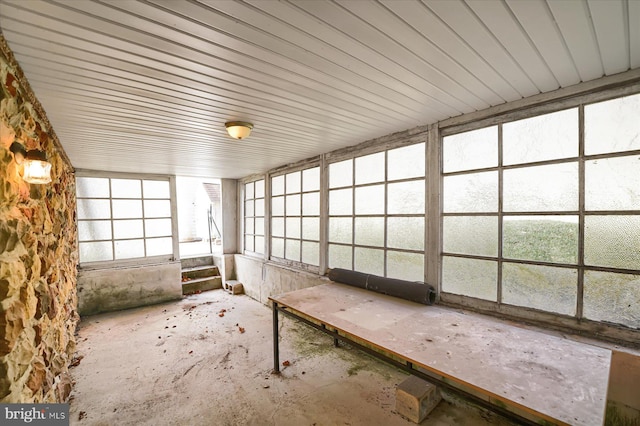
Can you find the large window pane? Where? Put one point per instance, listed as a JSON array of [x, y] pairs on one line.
[[277, 185], [159, 246], [474, 192], [541, 238], [157, 208], [311, 204], [370, 168], [311, 179], [249, 208], [340, 230], [612, 126], [406, 233], [127, 229], [127, 249], [293, 182], [93, 209], [125, 209], [340, 256], [277, 247], [311, 228], [405, 266], [277, 226], [248, 242], [406, 197], [94, 230], [542, 188], [277, 206], [259, 189], [310, 253], [292, 227], [292, 250], [341, 174], [157, 227], [259, 228], [369, 231], [156, 189], [369, 261], [612, 241], [249, 189], [249, 225], [540, 287], [293, 207], [92, 187], [612, 297], [476, 149], [543, 137], [96, 252], [126, 188], [370, 200], [406, 162], [613, 183], [341, 202], [259, 208], [470, 277], [259, 244], [475, 235]]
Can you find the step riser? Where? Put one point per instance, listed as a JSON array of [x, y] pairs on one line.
[[192, 262], [210, 284], [201, 273]]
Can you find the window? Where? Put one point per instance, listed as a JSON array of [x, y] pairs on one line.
[[295, 216], [544, 212], [254, 217], [377, 213], [123, 218]]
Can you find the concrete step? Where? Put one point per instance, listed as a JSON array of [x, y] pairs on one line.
[[192, 262], [201, 284], [200, 271]]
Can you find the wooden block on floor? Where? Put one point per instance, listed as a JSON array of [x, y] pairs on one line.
[[416, 398]]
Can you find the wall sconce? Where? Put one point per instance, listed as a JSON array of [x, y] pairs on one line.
[[238, 129], [36, 167]]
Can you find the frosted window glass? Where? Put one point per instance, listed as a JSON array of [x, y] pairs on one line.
[[249, 208], [542, 238], [406, 197], [277, 226], [370, 168], [311, 179], [259, 228], [157, 227], [259, 207], [475, 149], [470, 277], [405, 232], [310, 253], [612, 126], [543, 188], [156, 189], [293, 182], [292, 250], [370, 200], [340, 202], [277, 185], [292, 227], [311, 228], [259, 245], [369, 231], [157, 208], [249, 225], [311, 204], [475, 235], [94, 230], [126, 188], [127, 229], [474, 192], [127, 249], [612, 241], [125, 209], [370, 261], [341, 174], [340, 230], [540, 287], [95, 252], [259, 189], [93, 209], [248, 242], [613, 183], [248, 191], [159, 246], [405, 266], [92, 187], [612, 297], [293, 205], [277, 206], [406, 162], [545, 137], [277, 247], [340, 257]]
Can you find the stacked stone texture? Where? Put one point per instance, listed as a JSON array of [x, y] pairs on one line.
[[38, 253]]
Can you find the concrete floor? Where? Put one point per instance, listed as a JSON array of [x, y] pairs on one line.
[[184, 363]]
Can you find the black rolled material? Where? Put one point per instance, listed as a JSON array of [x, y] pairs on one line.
[[408, 290]]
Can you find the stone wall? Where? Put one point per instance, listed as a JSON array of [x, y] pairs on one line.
[[38, 253]]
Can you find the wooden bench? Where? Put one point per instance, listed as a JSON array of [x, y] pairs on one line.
[[528, 375]]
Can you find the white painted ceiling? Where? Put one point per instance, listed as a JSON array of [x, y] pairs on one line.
[[146, 86]]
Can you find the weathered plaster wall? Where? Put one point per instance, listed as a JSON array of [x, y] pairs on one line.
[[113, 289], [262, 279], [38, 253]]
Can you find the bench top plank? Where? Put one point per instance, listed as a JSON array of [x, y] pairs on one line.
[[545, 375]]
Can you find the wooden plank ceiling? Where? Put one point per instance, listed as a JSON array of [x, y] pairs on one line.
[[146, 86]]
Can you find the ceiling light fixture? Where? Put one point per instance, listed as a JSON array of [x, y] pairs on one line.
[[238, 129], [36, 167]]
